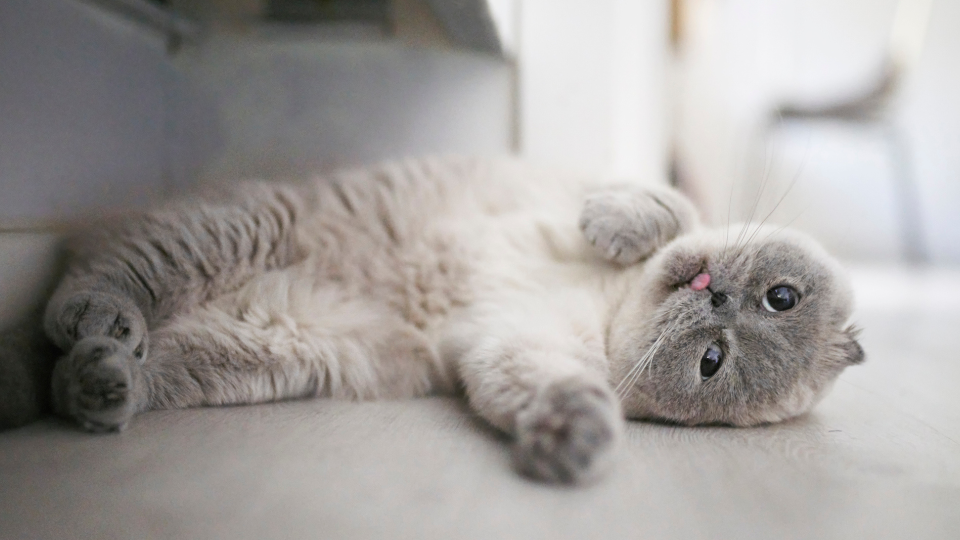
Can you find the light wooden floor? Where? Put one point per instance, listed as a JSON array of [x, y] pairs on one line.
[[879, 458]]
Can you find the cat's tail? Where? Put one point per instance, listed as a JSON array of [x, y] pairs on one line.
[[26, 365]]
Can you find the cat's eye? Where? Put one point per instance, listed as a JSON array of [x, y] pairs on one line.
[[780, 298], [711, 361]]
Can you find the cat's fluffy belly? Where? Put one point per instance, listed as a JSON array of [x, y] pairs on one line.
[[539, 293]]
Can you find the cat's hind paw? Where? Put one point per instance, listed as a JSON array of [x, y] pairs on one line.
[[94, 385], [94, 313], [568, 434]]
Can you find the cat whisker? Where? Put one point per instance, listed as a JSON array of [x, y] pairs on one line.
[[767, 167], [634, 374], [726, 231], [631, 378], [770, 159], [796, 178], [648, 359], [623, 382]]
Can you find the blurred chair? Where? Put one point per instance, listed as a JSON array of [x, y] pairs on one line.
[[872, 109]]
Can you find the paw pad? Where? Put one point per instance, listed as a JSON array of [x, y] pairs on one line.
[[94, 384], [567, 434]]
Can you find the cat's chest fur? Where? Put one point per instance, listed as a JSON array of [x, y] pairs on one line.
[[426, 246]]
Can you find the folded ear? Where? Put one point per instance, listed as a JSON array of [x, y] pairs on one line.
[[850, 350]]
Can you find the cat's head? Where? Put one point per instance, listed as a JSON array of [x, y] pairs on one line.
[[761, 343]]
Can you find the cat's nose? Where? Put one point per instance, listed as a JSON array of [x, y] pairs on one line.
[[717, 298]]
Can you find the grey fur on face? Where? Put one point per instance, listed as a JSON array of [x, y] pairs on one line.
[[557, 303], [775, 364]]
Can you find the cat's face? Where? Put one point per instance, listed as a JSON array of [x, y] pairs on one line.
[[761, 343]]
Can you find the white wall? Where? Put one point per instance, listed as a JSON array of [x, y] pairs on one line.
[[930, 112], [743, 56], [593, 76]]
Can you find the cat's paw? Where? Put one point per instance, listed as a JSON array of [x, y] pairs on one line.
[[93, 313], [94, 385], [569, 433], [628, 225]]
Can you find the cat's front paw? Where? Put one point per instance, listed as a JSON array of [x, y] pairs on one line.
[[627, 225], [569, 433], [94, 385], [94, 313]]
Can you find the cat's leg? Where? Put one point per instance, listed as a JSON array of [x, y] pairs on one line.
[[218, 359], [124, 281], [265, 343], [628, 223], [547, 389], [127, 278]]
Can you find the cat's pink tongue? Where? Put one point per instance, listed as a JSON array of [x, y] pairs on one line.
[[701, 282]]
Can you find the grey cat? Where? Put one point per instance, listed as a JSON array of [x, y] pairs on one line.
[[558, 304]]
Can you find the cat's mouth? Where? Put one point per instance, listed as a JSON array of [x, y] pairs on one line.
[[700, 282], [697, 278]]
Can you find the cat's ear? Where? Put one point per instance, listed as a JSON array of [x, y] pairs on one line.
[[850, 351]]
